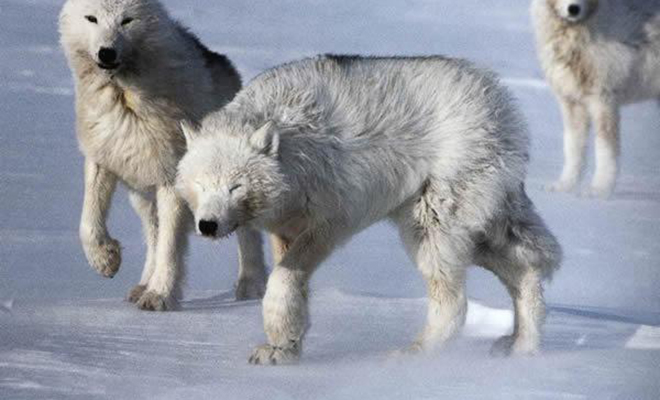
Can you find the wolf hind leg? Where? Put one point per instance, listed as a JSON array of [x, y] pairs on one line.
[[529, 315], [442, 256], [522, 254], [447, 308]]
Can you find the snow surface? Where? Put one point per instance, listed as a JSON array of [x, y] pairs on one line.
[[66, 333]]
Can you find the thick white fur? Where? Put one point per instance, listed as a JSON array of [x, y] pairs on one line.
[[128, 129], [605, 56], [317, 150]]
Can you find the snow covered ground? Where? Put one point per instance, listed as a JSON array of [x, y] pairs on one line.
[[68, 334]]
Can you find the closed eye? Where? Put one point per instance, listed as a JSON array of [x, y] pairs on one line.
[[233, 188], [200, 186], [127, 21], [91, 19]]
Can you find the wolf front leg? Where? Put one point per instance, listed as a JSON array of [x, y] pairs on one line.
[[252, 269], [605, 115], [103, 252], [576, 132], [285, 308], [145, 206], [164, 284]]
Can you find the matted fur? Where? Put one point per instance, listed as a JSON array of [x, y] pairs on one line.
[[319, 149], [604, 56], [128, 117]]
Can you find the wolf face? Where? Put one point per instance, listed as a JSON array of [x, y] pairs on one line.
[[108, 33], [574, 10], [230, 179]]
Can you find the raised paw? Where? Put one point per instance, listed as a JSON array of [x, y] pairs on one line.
[[104, 257], [152, 301], [511, 345], [273, 355], [250, 288], [135, 293]]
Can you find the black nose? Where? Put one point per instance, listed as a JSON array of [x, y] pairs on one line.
[[208, 228], [107, 55], [574, 10]]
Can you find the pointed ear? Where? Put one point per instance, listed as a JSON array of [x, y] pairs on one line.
[[266, 140], [189, 131]]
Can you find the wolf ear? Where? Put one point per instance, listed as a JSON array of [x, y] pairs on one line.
[[266, 140], [189, 131]]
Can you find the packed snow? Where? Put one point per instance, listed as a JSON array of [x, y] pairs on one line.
[[67, 333]]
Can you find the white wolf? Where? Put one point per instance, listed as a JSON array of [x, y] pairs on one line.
[[317, 150], [597, 55], [137, 74]]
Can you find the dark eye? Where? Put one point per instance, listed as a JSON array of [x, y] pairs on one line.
[[127, 21], [238, 186], [91, 19]]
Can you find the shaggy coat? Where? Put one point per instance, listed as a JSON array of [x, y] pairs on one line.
[[316, 151], [137, 74], [597, 55]]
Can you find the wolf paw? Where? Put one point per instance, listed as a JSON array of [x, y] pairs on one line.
[[250, 288], [104, 257], [273, 355], [561, 186], [152, 301], [412, 350], [511, 345], [598, 192], [135, 293]]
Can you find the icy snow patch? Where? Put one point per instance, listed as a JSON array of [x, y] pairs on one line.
[[646, 337]]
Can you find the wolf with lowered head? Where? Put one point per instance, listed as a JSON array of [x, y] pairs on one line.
[[317, 150]]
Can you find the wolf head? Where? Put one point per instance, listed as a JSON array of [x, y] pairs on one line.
[[109, 34], [574, 10], [230, 176]]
